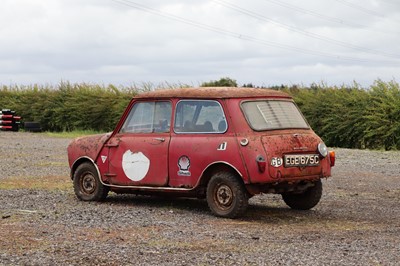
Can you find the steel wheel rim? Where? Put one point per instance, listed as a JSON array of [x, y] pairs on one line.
[[223, 196], [88, 183]]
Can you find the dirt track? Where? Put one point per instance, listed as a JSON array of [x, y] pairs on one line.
[[357, 221]]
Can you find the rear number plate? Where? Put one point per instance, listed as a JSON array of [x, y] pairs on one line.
[[299, 160]]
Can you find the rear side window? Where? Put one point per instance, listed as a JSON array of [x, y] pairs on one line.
[[273, 114], [199, 116]]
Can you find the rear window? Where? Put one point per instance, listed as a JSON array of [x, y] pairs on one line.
[[273, 114]]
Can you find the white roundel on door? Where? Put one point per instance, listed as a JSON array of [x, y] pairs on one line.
[[135, 165]]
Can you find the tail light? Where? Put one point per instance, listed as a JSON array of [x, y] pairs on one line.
[[332, 157], [261, 163]]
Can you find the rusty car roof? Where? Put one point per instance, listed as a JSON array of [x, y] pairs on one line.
[[213, 92]]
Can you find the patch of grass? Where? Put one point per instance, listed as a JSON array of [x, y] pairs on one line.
[[44, 183], [16, 239], [203, 245], [48, 164], [72, 134]]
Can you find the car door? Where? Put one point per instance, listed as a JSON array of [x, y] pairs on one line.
[[199, 139], [138, 153]]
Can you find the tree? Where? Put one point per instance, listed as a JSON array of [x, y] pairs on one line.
[[222, 82]]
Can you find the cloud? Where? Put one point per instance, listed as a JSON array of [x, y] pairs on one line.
[[259, 42]]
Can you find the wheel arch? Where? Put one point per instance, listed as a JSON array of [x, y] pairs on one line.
[[80, 161], [215, 167]]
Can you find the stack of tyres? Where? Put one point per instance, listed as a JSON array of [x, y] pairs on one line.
[[32, 127], [9, 121]]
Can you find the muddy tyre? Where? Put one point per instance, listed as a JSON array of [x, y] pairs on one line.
[[306, 200], [87, 185], [226, 195]]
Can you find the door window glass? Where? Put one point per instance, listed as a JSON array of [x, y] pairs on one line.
[[148, 117], [199, 116]]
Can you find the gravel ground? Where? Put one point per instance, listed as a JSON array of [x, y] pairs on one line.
[[42, 222]]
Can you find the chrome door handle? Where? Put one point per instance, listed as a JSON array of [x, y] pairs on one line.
[[160, 139]]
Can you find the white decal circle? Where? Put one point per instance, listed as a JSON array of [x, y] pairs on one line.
[[135, 165]]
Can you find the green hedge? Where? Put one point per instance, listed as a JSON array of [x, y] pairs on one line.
[[351, 116], [346, 116], [68, 107]]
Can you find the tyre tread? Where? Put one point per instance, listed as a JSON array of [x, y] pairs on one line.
[[241, 201], [101, 190], [306, 200]]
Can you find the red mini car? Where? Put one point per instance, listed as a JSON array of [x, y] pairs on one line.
[[222, 144]]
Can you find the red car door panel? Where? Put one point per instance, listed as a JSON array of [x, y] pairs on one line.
[[139, 159]]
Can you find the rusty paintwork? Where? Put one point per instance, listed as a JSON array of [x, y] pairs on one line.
[[185, 162], [214, 93], [86, 147]]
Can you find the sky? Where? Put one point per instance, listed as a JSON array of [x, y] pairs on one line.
[[262, 42]]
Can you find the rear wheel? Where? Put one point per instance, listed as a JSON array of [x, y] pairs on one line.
[[305, 200], [87, 185], [226, 195]]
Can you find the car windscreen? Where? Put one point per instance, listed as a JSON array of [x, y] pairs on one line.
[[273, 114]]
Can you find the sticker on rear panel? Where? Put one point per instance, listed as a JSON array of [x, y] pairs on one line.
[[135, 165], [184, 164], [222, 146]]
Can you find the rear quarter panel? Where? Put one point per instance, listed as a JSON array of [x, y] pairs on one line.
[[282, 143]]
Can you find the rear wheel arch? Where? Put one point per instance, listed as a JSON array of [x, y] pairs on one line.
[[218, 167]]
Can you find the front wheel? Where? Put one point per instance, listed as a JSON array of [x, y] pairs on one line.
[[305, 200], [226, 195], [87, 185]]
